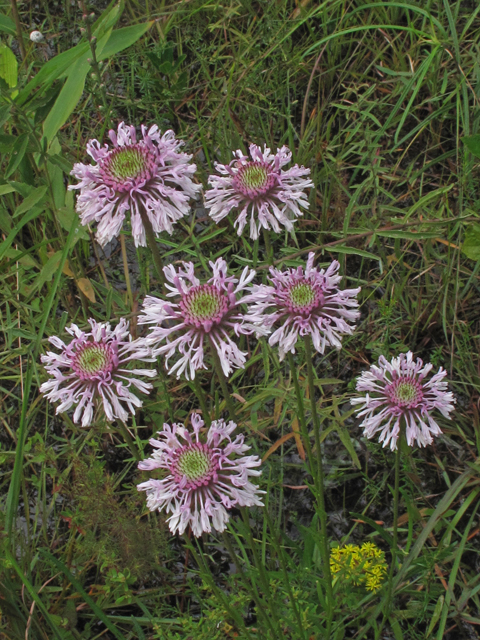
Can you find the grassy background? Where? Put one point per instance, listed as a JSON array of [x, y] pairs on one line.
[[374, 97]]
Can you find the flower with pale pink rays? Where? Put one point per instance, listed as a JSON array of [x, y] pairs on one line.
[[150, 175], [202, 313], [301, 303], [399, 391], [206, 474], [91, 371], [260, 188]]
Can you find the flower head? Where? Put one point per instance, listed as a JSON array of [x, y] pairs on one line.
[[206, 475], [306, 302], [261, 189], [399, 390], [362, 565], [91, 370], [149, 174], [201, 313]]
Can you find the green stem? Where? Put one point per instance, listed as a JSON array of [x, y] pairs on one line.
[[268, 246], [262, 574], [153, 246], [223, 380], [128, 439], [125, 270], [207, 574], [396, 492], [249, 587], [201, 399], [284, 566], [301, 416], [321, 488]]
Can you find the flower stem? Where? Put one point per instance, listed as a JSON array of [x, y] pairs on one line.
[[201, 399], [396, 491], [301, 416], [320, 485], [223, 380], [128, 439], [268, 246], [153, 246], [125, 270]]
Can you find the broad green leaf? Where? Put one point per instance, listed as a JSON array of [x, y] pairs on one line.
[[7, 25], [64, 64], [30, 201], [473, 144], [52, 70], [67, 100], [48, 271], [19, 150], [6, 188], [123, 38], [8, 66], [347, 443], [471, 245]]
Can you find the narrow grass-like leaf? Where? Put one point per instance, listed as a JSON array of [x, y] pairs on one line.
[[91, 603], [34, 595]]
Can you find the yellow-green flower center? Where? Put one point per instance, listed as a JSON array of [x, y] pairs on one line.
[[254, 176], [204, 305], [127, 162], [93, 359], [302, 295], [194, 464], [406, 392]]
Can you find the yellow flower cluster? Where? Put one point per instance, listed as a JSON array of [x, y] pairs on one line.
[[363, 565]]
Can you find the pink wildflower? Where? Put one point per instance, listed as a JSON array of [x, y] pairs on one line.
[[398, 390], [151, 174], [302, 303], [205, 475], [200, 313], [261, 189], [91, 370]]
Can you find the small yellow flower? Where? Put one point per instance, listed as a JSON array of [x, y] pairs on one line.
[[363, 565]]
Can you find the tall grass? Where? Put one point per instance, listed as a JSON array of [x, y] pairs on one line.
[[374, 97]]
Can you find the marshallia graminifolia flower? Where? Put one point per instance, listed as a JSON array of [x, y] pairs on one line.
[[300, 303], [91, 370], [197, 315], [399, 390], [205, 474], [150, 173], [260, 189]]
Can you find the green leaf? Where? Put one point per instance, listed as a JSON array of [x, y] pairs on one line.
[[64, 63], [471, 245], [8, 66], [408, 235], [67, 100], [347, 443], [352, 251], [6, 188], [473, 144], [28, 217], [53, 69], [122, 39], [48, 271], [19, 150], [59, 566], [7, 25], [57, 633], [30, 201]]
